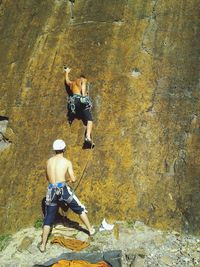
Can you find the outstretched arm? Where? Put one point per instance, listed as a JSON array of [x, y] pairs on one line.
[[67, 71], [71, 173]]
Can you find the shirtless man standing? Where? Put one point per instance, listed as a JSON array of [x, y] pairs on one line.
[[58, 190], [81, 101]]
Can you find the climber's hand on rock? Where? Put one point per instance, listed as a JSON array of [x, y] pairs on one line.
[[67, 69]]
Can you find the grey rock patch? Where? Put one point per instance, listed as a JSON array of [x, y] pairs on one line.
[[166, 260], [138, 262], [3, 125], [64, 231], [82, 236], [135, 73], [25, 243], [4, 142]]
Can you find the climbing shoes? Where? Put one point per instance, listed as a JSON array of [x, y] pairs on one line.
[[88, 144]]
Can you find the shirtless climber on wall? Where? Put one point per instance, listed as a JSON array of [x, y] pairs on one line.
[[80, 103]]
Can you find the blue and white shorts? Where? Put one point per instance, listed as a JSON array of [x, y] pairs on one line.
[[56, 194]]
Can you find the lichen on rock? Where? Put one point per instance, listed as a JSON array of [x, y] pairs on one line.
[[141, 58]]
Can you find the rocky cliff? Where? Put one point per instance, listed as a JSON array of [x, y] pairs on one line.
[[141, 58]]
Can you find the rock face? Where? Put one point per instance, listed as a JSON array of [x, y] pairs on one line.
[[141, 58]]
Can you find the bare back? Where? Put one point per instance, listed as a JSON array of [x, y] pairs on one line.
[[57, 167], [79, 86]]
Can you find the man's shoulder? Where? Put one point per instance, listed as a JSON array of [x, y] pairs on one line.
[[63, 160], [60, 159], [67, 161], [50, 159]]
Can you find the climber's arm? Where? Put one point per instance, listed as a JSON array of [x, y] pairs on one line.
[[71, 172], [67, 71]]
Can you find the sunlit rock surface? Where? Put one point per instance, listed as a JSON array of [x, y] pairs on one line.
[[141, 58]]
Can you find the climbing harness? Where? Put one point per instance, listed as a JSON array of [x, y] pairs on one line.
[[71, 104], [57, 189], [85, 100]]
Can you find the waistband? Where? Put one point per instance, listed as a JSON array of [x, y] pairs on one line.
[[57, 185], [77, 96]]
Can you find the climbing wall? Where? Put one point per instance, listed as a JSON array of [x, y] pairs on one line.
[[141, 60]]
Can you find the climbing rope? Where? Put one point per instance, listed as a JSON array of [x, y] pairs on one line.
[[72, 8], [84, 169]]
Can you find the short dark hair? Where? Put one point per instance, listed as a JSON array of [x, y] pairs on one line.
[[59, 151], [82, 76]]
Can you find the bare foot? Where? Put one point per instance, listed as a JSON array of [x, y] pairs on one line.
[[92, 231]]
